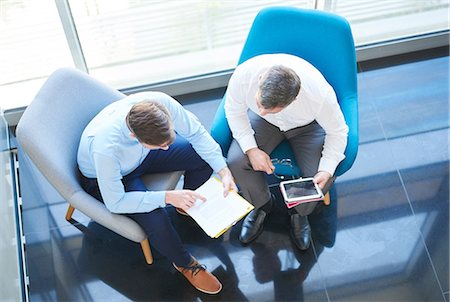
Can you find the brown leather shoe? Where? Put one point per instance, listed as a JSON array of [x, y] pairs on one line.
[[200, 278]]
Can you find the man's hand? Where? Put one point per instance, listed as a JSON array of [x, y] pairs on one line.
[[227, 181], [321, 178], [260, 160], [183, 199]]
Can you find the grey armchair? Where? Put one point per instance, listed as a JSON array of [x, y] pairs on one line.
[[49, 132]]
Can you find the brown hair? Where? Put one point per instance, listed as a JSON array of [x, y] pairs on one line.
[[151, 123]]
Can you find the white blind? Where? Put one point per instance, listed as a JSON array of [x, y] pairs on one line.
[[381, 20], [32, 42], [366, 10], [163, 40], [128, 43]]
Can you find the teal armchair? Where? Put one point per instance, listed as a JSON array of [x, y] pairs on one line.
[[323, 39]]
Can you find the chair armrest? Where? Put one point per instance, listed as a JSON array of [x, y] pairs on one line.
[[349, 107], [98, 212]]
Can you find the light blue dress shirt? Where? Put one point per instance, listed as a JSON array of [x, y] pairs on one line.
[[108, 152]]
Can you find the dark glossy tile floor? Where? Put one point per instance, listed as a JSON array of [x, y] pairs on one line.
[[385, 236]]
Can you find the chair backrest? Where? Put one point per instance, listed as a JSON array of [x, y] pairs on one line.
[[50, 129], [323, 39]]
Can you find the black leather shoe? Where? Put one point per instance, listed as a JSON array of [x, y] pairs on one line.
[[252, 226], [300, 231]]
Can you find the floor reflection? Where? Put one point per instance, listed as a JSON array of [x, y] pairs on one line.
[[101, 261]]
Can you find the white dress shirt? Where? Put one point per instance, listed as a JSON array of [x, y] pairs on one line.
[[315, 101]]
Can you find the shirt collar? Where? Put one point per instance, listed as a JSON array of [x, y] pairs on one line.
[[126, 132]]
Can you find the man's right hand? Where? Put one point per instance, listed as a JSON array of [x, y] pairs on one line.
[[260, 160], [183, 199]]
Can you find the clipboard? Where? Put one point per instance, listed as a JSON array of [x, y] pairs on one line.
[[218, 214]]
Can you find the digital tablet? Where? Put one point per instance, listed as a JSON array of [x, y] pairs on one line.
[[302, 189]]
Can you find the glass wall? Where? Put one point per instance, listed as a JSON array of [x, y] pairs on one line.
[[136, 42], [386, 20], [33, 45], [128, 43], [11, 278]]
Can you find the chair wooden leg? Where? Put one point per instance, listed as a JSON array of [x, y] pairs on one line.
[[69, 212], [147, 251], [326, 199]]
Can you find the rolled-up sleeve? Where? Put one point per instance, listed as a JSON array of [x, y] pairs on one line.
[[331, 119], [236, 112]]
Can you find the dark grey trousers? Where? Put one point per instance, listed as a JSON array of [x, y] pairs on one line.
[[307, 144]]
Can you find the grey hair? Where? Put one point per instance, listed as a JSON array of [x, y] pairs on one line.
[[279, 87]]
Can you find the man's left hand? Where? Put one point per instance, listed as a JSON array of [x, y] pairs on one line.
[[227, 181], [321, 178]]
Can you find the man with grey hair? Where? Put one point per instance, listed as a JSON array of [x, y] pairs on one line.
[[271, 98]]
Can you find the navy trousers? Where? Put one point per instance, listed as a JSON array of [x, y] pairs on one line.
[[157, 224]]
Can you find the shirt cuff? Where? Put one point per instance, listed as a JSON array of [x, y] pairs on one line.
[[157, 198], [218, 164], [247, 142], [327, 165]]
